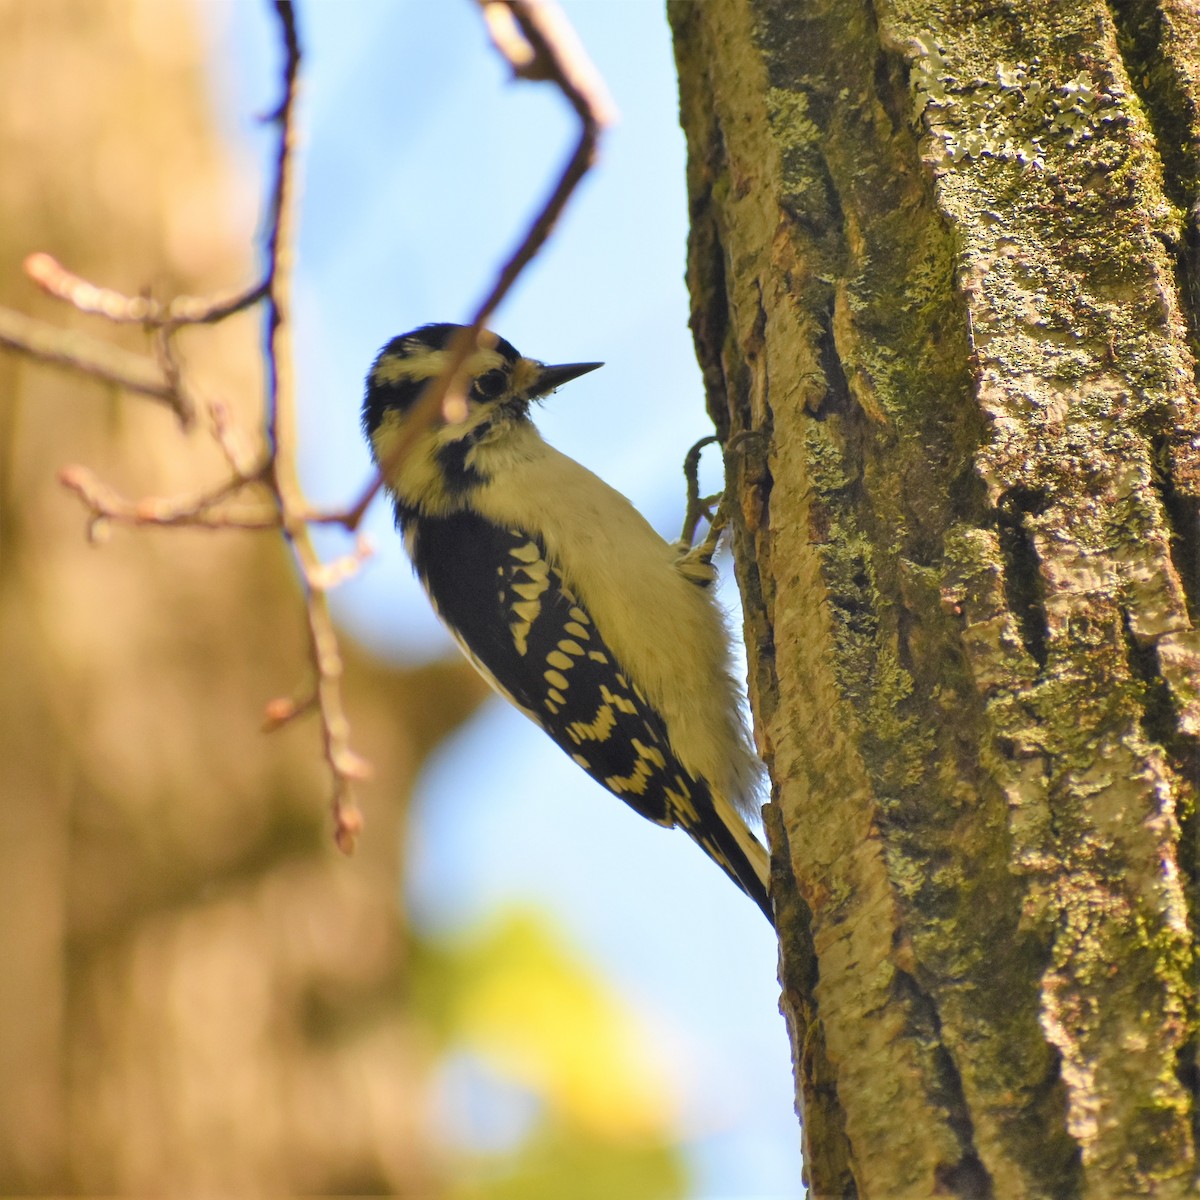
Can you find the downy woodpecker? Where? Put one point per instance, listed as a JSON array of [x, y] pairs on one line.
[[565, 599]]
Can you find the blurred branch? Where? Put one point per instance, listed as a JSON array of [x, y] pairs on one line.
[[54, 279], [89, 355], [345, 765], [538, 43], [106, 504], [286, 508], [552, 53]]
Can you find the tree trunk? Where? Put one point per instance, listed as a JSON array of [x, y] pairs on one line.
[[944, 281]]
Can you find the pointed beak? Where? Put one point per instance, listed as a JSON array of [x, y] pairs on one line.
[[554, 377]]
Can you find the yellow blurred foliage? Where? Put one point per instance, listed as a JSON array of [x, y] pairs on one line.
[[527, 1005]]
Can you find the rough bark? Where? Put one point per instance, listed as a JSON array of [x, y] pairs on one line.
[[943, 269]]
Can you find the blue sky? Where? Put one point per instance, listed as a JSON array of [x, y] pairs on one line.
[[422, 164]]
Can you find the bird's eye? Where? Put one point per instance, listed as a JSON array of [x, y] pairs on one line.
[[490, 384]]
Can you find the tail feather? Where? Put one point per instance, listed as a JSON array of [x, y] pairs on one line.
[[727, 840]]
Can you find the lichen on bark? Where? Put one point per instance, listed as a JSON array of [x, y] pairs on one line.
[[941, 283]]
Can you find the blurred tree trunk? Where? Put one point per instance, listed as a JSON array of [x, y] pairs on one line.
[[944, 281], [198, 995]]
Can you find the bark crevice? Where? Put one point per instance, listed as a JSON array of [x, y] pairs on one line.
[[1182, 515], [1022, 578], [966, 1176]]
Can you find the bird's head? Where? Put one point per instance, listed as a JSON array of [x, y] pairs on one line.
[[434, 465], [501, 383]]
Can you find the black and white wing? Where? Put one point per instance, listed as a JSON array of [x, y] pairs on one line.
[[536, 643]]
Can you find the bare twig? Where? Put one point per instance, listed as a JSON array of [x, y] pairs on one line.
[[233, 446], [199, 512], [56, 280], [89, 355], [218, 508], [538, 44], [345, 765], [164, 319], [283, 710], [558, 57], [325, 577]]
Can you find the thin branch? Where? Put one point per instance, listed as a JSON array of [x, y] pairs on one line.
[[56, 280], [233, 447], [216, 509], [282, 710], [558, 57], [538, 44], [327, 576], [88, 355], [201, 512], [346, 766], [281, 416]]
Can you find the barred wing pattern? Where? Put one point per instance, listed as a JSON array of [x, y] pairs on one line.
[[529, 631]]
